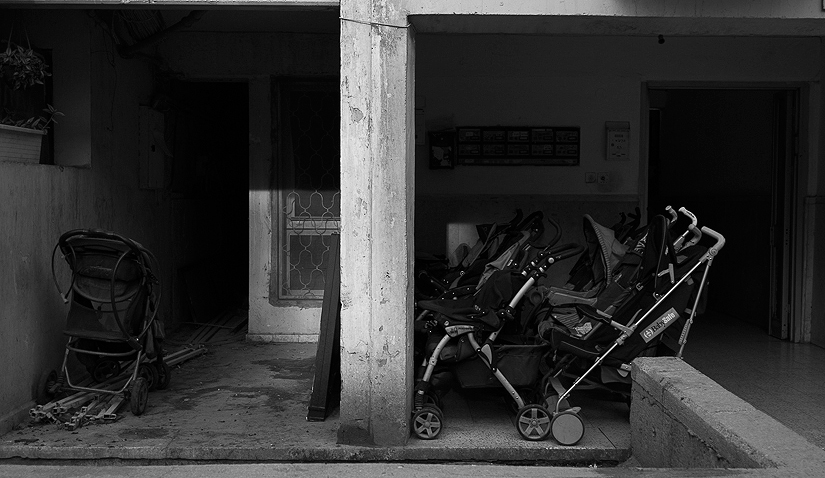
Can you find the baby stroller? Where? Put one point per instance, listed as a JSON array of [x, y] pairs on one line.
[[112, 321], [664, 293], [463, 341], [610, 264]]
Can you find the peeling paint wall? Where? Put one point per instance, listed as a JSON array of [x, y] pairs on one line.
[[40, 202]]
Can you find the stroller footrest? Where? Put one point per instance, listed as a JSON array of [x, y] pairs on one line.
[[105, 336]]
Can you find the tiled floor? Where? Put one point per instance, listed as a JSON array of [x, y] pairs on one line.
[[784, 380]]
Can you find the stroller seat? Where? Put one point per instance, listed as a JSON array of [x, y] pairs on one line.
[[586, 349], [109, 290]]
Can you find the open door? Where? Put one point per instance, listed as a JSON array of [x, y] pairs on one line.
[[785, 136], [729, 156]]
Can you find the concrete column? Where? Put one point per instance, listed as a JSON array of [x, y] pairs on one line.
[[377, 196], [260, 200]]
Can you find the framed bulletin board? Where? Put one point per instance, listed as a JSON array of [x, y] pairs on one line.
[[529, 145]]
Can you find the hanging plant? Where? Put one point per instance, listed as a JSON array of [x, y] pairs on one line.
[[22, 67]]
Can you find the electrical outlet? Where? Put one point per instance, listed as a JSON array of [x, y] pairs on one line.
[[589, 177], [603, 178]]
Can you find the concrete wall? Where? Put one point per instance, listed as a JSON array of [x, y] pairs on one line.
[[488, 80], [681, 419], [641, 8], [40, 202]]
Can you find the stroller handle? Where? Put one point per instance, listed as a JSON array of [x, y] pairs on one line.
[[693, 220], [720, 240], [672, 212], [100, 233]]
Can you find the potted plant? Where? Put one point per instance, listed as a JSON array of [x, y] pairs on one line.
[[21, 134]]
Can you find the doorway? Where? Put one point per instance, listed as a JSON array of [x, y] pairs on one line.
[[210, 187], [727, 155]]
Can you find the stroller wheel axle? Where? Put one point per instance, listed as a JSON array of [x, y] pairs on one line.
[[150, 373]]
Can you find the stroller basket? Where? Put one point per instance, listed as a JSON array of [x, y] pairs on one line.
[[518, 358]]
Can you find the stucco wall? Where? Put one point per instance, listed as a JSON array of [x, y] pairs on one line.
[[40, 202]]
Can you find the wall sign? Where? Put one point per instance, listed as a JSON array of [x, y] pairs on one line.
[[529, 145], [617, 140]]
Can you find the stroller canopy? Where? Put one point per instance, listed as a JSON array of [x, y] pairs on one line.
[[604, 250]]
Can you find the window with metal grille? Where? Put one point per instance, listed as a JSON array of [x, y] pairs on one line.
[[309, 205]]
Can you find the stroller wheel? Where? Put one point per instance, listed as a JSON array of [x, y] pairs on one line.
[[150, 373], [164, 375], [139, 396], [427, 422], [105, 369], [533, 422], [567, 427]]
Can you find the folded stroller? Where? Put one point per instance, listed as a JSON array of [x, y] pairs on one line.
[[500, 246], [648, 315], [463, 341], [112, 321]]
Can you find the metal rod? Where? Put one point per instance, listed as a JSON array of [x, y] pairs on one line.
[[689, 322]]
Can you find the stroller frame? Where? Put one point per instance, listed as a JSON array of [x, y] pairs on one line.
[[146, 375], [571, 432], [532, 419]]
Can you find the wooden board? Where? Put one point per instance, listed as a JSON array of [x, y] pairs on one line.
[[326, 386]]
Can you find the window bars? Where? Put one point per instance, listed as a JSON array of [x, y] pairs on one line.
[[310, 193]]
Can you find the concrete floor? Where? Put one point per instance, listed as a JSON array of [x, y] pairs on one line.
[[247, 402], [244, 401]]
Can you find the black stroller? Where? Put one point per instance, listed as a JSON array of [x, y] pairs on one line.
[[462, 341], [112, 322], [650, 313]]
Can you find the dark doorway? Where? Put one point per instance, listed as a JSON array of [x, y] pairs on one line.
[[720, 153], [210, 184]]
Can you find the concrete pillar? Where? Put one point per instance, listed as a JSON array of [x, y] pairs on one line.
[[377, 196]]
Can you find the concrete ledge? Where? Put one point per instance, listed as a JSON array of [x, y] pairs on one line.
[[283, 338], [550, 455], [680, 418]]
